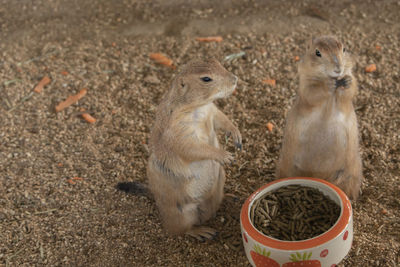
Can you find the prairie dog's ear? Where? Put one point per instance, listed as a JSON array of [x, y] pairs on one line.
[[180, 82], [182, 85]]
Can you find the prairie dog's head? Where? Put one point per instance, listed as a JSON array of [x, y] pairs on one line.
[[204, 80], [326, 57]]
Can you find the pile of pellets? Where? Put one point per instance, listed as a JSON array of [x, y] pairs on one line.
[[294, 213]]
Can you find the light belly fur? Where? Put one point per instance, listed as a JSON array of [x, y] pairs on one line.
[[205, 172], [205, 178], [321, 140]]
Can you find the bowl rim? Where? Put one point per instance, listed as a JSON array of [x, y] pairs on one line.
[[333, 232]]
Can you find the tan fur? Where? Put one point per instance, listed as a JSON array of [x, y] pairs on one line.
[[321, 135], [184, 169]]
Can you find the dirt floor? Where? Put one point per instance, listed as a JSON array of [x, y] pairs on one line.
[[46, 219]]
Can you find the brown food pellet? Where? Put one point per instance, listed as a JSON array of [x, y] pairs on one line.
[[294, 213]]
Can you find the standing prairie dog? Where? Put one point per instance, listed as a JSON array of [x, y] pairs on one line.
[[321, 136], [185, 169]]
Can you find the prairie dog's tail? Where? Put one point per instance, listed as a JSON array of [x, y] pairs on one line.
[[135, 188]]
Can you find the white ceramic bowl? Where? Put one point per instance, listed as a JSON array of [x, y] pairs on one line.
[[325, 250]]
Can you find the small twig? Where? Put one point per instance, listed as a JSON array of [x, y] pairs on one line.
[[22, 101], [107, 71], [241, 166], [7, 103], [45, 211], [6, 83], [37, 58], [7, 100], [234, 56], [41, 251]]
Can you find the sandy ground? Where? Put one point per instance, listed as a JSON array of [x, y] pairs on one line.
[[104, 46]]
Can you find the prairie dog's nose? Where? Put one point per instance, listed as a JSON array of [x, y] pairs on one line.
[[337, 63]]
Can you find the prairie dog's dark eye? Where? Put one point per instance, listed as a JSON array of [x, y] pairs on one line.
[[318, 53], [206, 79], [344, 49]]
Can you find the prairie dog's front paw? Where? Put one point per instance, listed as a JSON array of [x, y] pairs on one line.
[[344, 83], [237, 137], [332, 84], [225, 157]]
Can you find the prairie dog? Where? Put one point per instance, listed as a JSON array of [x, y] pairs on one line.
[[321, 135], [185, 169]]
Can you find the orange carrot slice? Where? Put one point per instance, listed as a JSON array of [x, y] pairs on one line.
[[77, 178], [296, 58], [163, 60], [71, 100], [270, 82], [270, 126], [43, 82], [71, 181], [65, 73], [217, 39], [88, 118], [370, 68]]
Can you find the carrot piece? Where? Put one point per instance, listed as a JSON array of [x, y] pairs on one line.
[[378, 47], [43, 82], [296, 58], [77, 178], [65, 73], [370, 68], [270, 82], [88, 118], [71, 181], [217, 39], [71, 100], [270, 127], [163, 60]]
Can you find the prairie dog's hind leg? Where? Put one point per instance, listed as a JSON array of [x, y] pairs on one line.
[[193, 213], [202, 233], [181, 218], [352, 186], [208, 208], [349, 180]]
